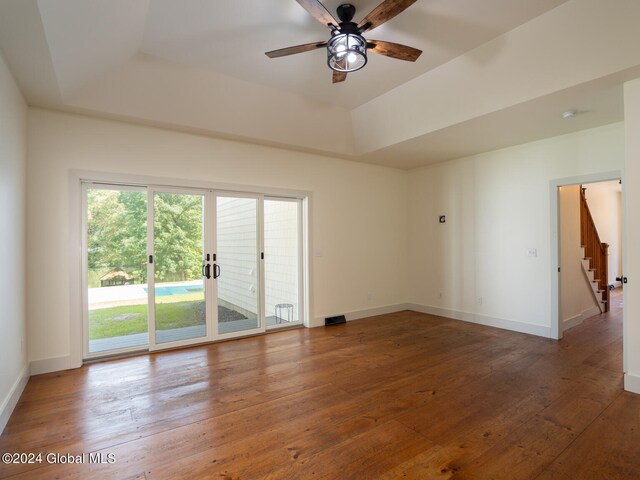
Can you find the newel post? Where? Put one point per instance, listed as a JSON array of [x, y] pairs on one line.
[[605, 274]]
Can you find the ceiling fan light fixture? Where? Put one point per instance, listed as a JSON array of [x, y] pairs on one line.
[[347, 48], [347, 52]]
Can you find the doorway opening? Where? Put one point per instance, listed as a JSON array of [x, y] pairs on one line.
[[590, 257]]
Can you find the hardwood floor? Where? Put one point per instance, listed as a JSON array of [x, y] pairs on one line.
[[405, 395]]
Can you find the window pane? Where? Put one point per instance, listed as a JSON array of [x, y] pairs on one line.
[[282, 261], [178, 252], [237, 250], [117, 269]]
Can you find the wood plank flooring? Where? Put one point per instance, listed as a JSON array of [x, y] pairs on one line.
[[404, 395]]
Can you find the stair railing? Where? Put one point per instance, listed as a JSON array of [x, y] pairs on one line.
[[595, 250]]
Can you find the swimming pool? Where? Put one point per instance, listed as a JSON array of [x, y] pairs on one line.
[[177, 290]]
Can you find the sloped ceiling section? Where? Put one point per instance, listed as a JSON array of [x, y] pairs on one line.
[[578, 42], [97, 50], [81, 37], [493, 73]]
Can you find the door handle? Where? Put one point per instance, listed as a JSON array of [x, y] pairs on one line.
[[216, 270], [207, 270]]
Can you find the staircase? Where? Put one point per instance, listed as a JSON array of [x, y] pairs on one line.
[[598, 294], [595, 256]]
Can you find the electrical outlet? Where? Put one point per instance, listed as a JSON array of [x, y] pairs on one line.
[[479, 300], [440, 295], [369, 296], [532, 252]]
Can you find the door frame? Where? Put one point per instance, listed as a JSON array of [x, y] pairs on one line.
[[554, 250], [77, 262]]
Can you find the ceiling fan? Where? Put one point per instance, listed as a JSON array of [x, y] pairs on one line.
[[347, 48]]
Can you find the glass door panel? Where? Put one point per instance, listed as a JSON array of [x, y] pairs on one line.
[[116, 256], [282, 242], [236, 265], [178, 246], [168, 267]]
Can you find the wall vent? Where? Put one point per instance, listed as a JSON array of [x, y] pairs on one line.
[[337, 320]]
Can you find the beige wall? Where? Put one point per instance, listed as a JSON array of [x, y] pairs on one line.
[[498, 207], [576, 296], [367, 221], [359, 211], [13, 131]]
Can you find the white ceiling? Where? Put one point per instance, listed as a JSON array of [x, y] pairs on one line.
[[231, 37], [200, 65]]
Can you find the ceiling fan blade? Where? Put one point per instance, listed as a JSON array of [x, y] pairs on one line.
[[395, 50], [307, 47], [339, 76], [319, 12], [383, 12]]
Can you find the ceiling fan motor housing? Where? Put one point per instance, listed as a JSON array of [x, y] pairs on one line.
[[346, 11]]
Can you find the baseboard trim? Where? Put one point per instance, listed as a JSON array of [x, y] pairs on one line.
[[358, 314], [513, 325], [578, 319], [571, 322], [49, 365], [11, 400], [631, 383]]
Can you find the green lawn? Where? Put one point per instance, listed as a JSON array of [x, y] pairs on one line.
[[131, 319]]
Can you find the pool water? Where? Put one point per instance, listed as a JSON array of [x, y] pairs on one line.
[[177, 290]]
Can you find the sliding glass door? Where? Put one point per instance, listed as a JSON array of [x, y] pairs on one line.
[[116, 269], [237, 266], [283, 261], [179, 302], [173, 267]]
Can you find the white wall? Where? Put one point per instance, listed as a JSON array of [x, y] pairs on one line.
[[13, 160], [576, 296], [497, 206], [631, 260], [605, 204], [358, 211]]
